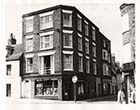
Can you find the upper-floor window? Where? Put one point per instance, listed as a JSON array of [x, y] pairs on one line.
[[94, 50], [105, 69], [93, 34], [29, 43], [67, 39], [46, 20], [80, 63], [80, 42], [79, 23], [46, 40], [68, 60], [87, 65], [104, 43], [94, 68], [29, 24], [87, 46], [104, 55], [8, 67], [29, 64], [67, 18], [86, 28]]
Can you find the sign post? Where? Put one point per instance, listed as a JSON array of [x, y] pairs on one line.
[[74, 80]]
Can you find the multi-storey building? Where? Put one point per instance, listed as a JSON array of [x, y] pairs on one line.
[[128, 33], [58, 43]]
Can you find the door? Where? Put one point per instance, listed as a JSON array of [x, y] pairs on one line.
[[27, 89]]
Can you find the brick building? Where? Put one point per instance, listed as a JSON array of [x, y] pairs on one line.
[[58, 43]]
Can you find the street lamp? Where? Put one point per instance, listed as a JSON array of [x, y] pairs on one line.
[[74, 80]]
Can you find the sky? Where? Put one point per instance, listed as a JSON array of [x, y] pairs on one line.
[[106, 16]]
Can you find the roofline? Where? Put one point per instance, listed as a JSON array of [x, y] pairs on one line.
[[56, 7]]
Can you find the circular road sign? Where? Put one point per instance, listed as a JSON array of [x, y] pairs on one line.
[[74, 79]]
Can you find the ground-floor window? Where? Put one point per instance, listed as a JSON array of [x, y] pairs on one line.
[[8, 90], [106, 88], [46, 87], [80, 88]]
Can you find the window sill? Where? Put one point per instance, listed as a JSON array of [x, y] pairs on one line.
[[68, 69], [46, 48]]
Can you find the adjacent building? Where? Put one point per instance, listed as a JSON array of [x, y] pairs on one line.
[[13, 68], [58, 43], [128, 33]]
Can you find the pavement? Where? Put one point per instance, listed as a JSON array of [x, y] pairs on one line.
[[106, 99]]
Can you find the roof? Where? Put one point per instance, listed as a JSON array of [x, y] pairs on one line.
[[18, 51]]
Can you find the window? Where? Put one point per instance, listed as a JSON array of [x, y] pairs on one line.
[[29, 64], [46, 41], [46, 87], [67, 39], [46, 64], [8, 90], [105, 69], [86, 28], [94, 68], [104, 55], [93, 35], [67, 18], [29, 24], [80, 63], [104, 43], [8, 70], [68, 62], [94, 50], [29, 44], [87, 65], [79, 23], [87, 46], [46, 21], [80, 42]]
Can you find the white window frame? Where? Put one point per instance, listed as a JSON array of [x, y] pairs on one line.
[[79, 22], [70, 13], [42, 40], [80, 65], [71, 35], [68, 53], [48, 24], [29, 44], [29, 27], [80, 47], [29, 71]]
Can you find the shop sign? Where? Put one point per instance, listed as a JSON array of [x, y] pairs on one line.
[[128, 67]]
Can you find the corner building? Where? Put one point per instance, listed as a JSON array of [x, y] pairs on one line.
[[58, 43]]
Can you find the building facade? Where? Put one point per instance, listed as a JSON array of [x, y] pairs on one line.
[[128, 33], [13, 68], [58, 43]]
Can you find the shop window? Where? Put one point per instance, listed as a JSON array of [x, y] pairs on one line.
[[46, 87], [80, 87]]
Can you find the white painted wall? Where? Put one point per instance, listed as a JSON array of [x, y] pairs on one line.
[[14, 79], [126, 53]]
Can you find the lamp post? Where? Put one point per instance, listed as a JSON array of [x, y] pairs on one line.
[[74, 80]]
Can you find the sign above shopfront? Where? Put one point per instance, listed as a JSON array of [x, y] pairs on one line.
[[128, 67]]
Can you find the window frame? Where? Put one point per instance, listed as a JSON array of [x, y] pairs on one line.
[[71, 54], [86, 28], [43, 42], [86, 46], [7, 71], [70, 33], [29, 71], [80, 63], [80, 41], [29, 44], [8, 92], [48, 24], [79, 22], [87, 64], [68, 12], [28, 26]]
